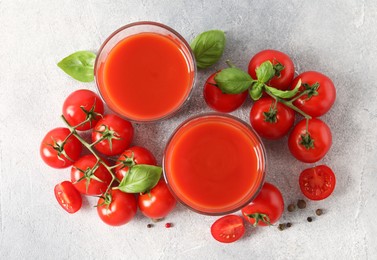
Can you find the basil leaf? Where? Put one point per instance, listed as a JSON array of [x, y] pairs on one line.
[[140, 178], [284, 94], [233, 80], [265, 71], [208, 47], [256, 90], [79, 65]]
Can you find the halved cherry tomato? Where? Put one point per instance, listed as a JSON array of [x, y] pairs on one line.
[[68, 197], [117, 134], [228, 229], [81, 105], [220, 101], [266, 208], [317, 183], [132, 156]]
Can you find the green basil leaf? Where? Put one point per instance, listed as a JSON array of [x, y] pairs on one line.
[[256, 90], [233, 80], [208, 47], [79, 65], [284, 94], [140, 178], [265, 71]]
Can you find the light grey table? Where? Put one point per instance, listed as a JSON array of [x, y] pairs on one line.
[[337, 38]]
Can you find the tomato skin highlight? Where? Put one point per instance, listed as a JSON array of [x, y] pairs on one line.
[[320, 104], [269, 202], [317, 183], [285, 118], [123, 131], [286, 75], [158, 203], [50, 156], [75, 103], [95, 187], [319, 132], [220, 101], [228, 229], [68, 197], [141, 156], [120, 211]]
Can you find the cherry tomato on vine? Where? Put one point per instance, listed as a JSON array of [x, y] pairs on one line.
[[283, 65], [228, 229], [321, 96], [86, 179], [158, 203], [132, 156], [68, 197], [317, 183], [220, 101], [81, 105], [57, 154], [269, 121], [117, 208], [267, 208], [312, 146]]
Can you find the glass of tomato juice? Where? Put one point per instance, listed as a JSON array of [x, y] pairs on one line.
[[214, 164], [145, 71]]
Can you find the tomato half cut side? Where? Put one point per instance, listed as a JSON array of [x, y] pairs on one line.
[[228, 229], [317, 183], [68, 197]]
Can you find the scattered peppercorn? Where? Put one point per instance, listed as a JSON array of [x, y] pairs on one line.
[[282, 226], [319, 212], [289, 224], [291, 207], [168, 225], [309, 219], [149, 225], [301, 204]]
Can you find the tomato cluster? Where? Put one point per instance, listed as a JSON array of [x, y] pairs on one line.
[[94, 174]]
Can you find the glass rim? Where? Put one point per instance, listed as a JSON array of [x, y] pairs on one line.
[[190, 55], [263, 161]]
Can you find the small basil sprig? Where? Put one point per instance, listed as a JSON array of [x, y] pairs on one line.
[[208, 47], [265, 72], [233, 80], [140, 178], [79, 65], [284, 94]]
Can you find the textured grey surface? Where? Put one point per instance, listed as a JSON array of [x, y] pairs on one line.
[[337, 38]]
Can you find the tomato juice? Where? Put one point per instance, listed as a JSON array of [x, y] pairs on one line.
[[214, 164]]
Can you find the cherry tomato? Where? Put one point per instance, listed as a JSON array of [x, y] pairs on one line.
[[117, 208], [270, 122], [158, 203], [132, 156], [220, 101], [284, 68], [317, 183], [319, 101], [81, 105], [56, 154], [85, 180], [313, 146], [68, 197], [267, 208], [117, 134], [228, 229]]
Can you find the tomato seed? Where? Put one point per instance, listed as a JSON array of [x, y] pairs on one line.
[[319, 212], [309, 219], [291, 207], [301, 204], [168, 225]]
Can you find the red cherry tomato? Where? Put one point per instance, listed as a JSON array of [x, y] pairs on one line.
[[266, 208], [317, 183], [132, 156], [301, 146], [56, 154], [118, 134], [80, 105], [158, 203], [228, 229], [270, 122], [220, 101], [322, 97], [68, 197], [282, 79], [117, 209], [85, 180]]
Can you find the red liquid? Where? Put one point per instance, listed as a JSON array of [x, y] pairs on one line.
[[145, 77], [214, 164]]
